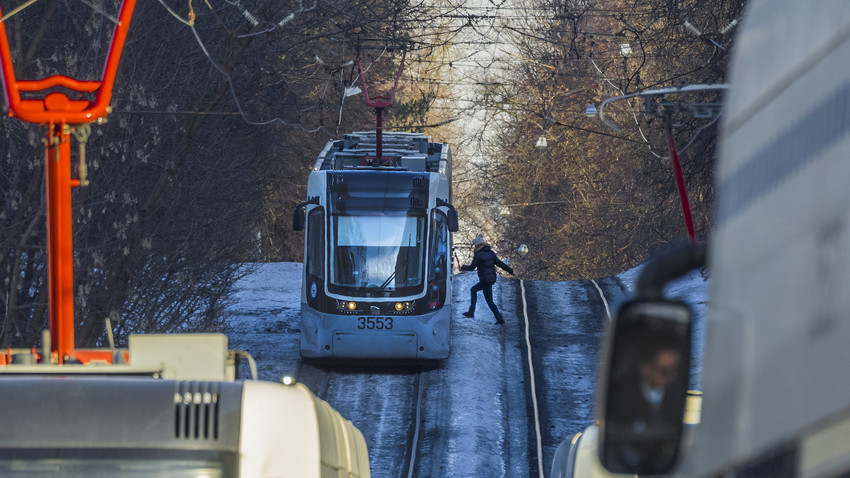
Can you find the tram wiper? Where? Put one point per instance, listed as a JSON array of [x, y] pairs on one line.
[[386, 282]]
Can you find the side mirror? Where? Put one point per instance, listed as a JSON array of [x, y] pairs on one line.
[[298, 218], [644, 386], [452, 220], [451, 216]]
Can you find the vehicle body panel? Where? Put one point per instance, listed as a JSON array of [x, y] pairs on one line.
[[776, 345]]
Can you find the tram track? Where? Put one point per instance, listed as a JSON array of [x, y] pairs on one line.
[[470, 414], [561, 339], [532, 383], [378, 394], [604, 300], [417, 420]]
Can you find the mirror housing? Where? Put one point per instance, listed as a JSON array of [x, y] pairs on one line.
[[298, 218], [644, 386], [451, 216], [452, 220]]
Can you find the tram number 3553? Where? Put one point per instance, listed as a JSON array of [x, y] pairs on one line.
[[375, 323]]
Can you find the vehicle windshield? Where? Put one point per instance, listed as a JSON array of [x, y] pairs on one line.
[[377, 230], [378, 255]]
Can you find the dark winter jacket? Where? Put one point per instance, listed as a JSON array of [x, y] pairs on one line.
[[486, 261]]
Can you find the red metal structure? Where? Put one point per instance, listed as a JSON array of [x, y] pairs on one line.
[[63, 116], [680, 179], [379, 103], [654, 103]]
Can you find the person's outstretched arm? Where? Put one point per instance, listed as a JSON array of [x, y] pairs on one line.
[[504, 266]]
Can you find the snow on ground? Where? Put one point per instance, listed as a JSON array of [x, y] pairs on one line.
[[266, 312], [486, 419], [476, 413], [265, 318]]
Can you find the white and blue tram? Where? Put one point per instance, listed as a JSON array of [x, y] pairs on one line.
[[377, 277]]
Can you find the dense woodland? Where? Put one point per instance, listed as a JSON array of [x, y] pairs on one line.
[[220, 108]]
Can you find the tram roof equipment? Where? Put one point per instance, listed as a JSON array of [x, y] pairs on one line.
[[401, 151]]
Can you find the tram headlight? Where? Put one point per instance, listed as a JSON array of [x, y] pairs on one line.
[[399, 306], [346, 305]]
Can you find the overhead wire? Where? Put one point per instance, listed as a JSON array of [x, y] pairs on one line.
[[490, 17], [100, 11], [191, 25], [631, 108], [253, 20], [17, 10]]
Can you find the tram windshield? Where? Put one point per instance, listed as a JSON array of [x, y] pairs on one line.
[[377, 229], [377, 255]]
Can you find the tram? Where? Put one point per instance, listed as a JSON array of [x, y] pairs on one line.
[[377, 224], [168, 405]]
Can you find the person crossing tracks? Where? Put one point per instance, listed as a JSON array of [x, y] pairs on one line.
[[485, 260]]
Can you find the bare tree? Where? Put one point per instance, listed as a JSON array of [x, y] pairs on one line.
[[595, 201], [219, 110]]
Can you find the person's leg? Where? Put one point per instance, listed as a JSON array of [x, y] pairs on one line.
[[473, 298], [488, 296]]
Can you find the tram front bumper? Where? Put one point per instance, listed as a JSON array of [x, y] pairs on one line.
[[421, 337]]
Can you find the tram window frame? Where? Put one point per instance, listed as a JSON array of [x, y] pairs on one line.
[[316, 246], [437, 215], [420, 266]]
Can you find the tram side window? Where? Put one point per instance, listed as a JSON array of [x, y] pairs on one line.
[[439, 245], [316, 243]]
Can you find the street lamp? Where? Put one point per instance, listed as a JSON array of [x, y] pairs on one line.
[[523, 249], [541, 143], [625, 52], [591, 110]]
